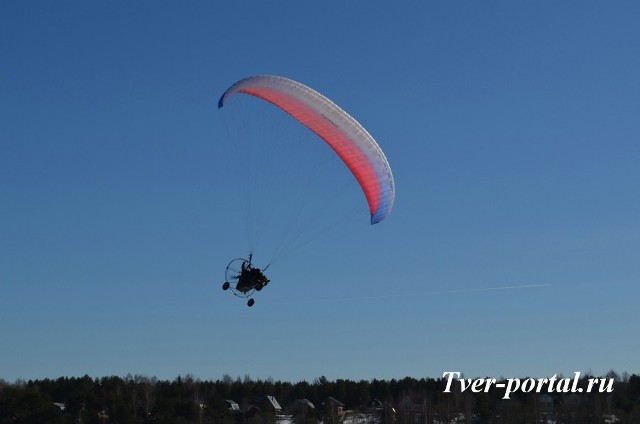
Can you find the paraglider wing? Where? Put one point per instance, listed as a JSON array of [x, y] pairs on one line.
[[355, 146]]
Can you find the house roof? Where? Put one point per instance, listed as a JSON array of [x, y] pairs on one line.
[[233, 406], [306, 402], [334, 400], [274, 403]]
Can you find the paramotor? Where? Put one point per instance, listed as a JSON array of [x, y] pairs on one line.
[[355, 147], [244, 279]]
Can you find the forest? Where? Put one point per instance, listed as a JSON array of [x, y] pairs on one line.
[[186, 399]]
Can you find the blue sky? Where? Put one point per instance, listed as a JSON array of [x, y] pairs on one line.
[[511, 128]]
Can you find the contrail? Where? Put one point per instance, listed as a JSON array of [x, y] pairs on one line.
[[450, 291], [524, 286]]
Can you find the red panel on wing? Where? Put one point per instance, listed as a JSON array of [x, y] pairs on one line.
[[346, 148]]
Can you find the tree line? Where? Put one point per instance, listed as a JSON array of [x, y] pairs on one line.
[[141, 399]]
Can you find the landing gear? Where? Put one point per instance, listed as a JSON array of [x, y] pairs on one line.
[[251, 302], [226, 285]]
